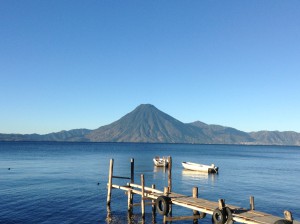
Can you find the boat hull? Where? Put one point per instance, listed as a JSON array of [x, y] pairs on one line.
[[200, 167]]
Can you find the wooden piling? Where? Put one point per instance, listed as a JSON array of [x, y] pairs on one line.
[[252, 206], [132, 170], [221, 204], [143, 196], [288, 215], [153, 207], [195, 212], [109, 187], [166, 193], [195, 195], [170, 174], [130, 194], [153, 202], [129, 200]]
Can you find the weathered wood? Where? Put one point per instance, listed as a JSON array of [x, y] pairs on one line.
[[205, 206], [181, 218], [146, 188], [288, 215], [221, 204], [139, 204], [170, 173], [252, 207], [153, 202], [125, 188], [166, 191], [143, 195], [118, 177], [132, 170], [195, 195], [195, 212], [129, 200], [110, 175]]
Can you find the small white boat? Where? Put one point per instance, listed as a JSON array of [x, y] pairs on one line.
[[163, 162], [200, 167]]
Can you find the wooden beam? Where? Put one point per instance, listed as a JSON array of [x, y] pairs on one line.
[[146, 188], [118, 177]]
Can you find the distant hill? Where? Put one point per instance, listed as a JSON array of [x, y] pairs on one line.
[[276, 138], [146, 123], [224, 135], [76, 135]]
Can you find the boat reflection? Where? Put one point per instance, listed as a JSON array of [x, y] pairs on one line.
[[161, 169], [197, 175]]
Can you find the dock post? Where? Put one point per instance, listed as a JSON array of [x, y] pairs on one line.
[[132, 170], [130, 194], [153, 201], [195, 195], [252, 207], [129, 201], [170, 174], [221, 204], [143, 193], [166, 193], [109, 187], [153, 207], [288, 215]]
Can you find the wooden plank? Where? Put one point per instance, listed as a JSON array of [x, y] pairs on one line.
[[125, 188], [181, 218]]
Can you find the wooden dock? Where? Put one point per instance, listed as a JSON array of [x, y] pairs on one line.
[[162, 201]]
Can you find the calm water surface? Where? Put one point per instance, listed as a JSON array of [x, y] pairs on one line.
[[66, 182]]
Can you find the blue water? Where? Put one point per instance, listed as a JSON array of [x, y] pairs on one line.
[[66, 182]]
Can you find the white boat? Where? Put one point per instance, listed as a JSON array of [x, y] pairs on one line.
[[200, 167], [158, 161]]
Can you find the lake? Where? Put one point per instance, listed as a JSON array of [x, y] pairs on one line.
[[48, 182]]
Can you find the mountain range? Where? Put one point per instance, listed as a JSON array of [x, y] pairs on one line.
[[146, 123]]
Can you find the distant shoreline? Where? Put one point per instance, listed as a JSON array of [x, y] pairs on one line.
[[154, 143]]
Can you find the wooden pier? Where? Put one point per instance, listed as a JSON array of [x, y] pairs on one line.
[[162, 202]]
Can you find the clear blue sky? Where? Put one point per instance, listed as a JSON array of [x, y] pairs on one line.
[[84, 64]]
